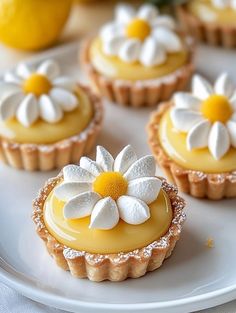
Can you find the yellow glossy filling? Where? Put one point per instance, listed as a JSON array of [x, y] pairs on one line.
[[124, 237], [113, 67], [174, 144], [42, 132], [205, 11], [37, 84]]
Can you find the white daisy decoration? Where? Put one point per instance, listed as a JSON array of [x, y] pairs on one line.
[[29, 94], [224, 4], [143, 35], [109, 190], [207, 115]]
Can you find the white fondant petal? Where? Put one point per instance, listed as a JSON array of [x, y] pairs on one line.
[[151, 53], [12, 78], [104, 159], [233, 4], [65, 82], [81, 206], [112, 45], [9, 104], [198, 135], [233, 117], [28, 111], [164, 21], [201, 88], [224, 86], [105, 214], [144, 167], [110, 30], [145, 188], [50, 111], [231, 126], [232, 101], [124, 13], [184, 119], [184, 100], [66, 99], [125, 159], [90, 166], [132, 210], [148, 12], [68, 190], [168, 39], [75, 173], [49, 68], [23, 71], [219, 140], [220, 4], [130, 50]]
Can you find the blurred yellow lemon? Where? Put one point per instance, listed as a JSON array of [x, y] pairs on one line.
[[32, 24]]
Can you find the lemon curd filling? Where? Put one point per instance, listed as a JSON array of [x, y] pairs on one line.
[[112, 66], [174, 144], [205, 11], [42, 132], [76, 233]]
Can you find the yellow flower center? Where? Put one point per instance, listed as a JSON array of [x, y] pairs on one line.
[[138, 29], [216, 108], [110, 184], [37, 84]]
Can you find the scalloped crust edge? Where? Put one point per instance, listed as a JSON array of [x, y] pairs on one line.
[[196, 183], [213, 33], [139, 93], [32, 157], [113, 267]]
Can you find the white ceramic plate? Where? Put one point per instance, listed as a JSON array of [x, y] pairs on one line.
[[195, 277]]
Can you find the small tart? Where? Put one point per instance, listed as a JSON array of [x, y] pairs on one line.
[[82, 231], [130, 66], [206, 22], [198, 155], [47, 121]]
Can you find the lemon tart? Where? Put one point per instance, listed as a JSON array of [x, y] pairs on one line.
[[46, 120], [212, 21], [138, 59], [109, 219], [193, 138]]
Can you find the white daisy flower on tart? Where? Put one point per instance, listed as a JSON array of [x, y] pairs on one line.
[[110, 189], [144, 36], [30, 94], [207, 115], [224, 4]]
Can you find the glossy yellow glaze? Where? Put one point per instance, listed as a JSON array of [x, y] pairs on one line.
[[205, 11], [123, 238], [174, 144], [113, 67], [42, 132]]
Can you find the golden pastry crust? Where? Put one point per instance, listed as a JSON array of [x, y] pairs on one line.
[[212, 33], [196, 183], [114, 267], [142, 92], [34, 157]]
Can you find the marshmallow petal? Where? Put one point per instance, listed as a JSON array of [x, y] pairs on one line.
[[224, 86], [66, 99], [148, 12], [201, 88], [81, 206], [112, 45], [145, 189], [68, 190], [124, 13], [9, 104], [104, 159], [168, 39], [28, 112], [198, 135], [151, 53], [105, 214], [144, 167], [11, 78], [219, 140], [125, 159], [23, 71], [90, 166], [50, 111], [132, 210], [110, 30], [130, 50], [231, 126], [164, 21], [65, 82], [233, 101], [186, 100], [75, 173], [49, 68], [184, 119]]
